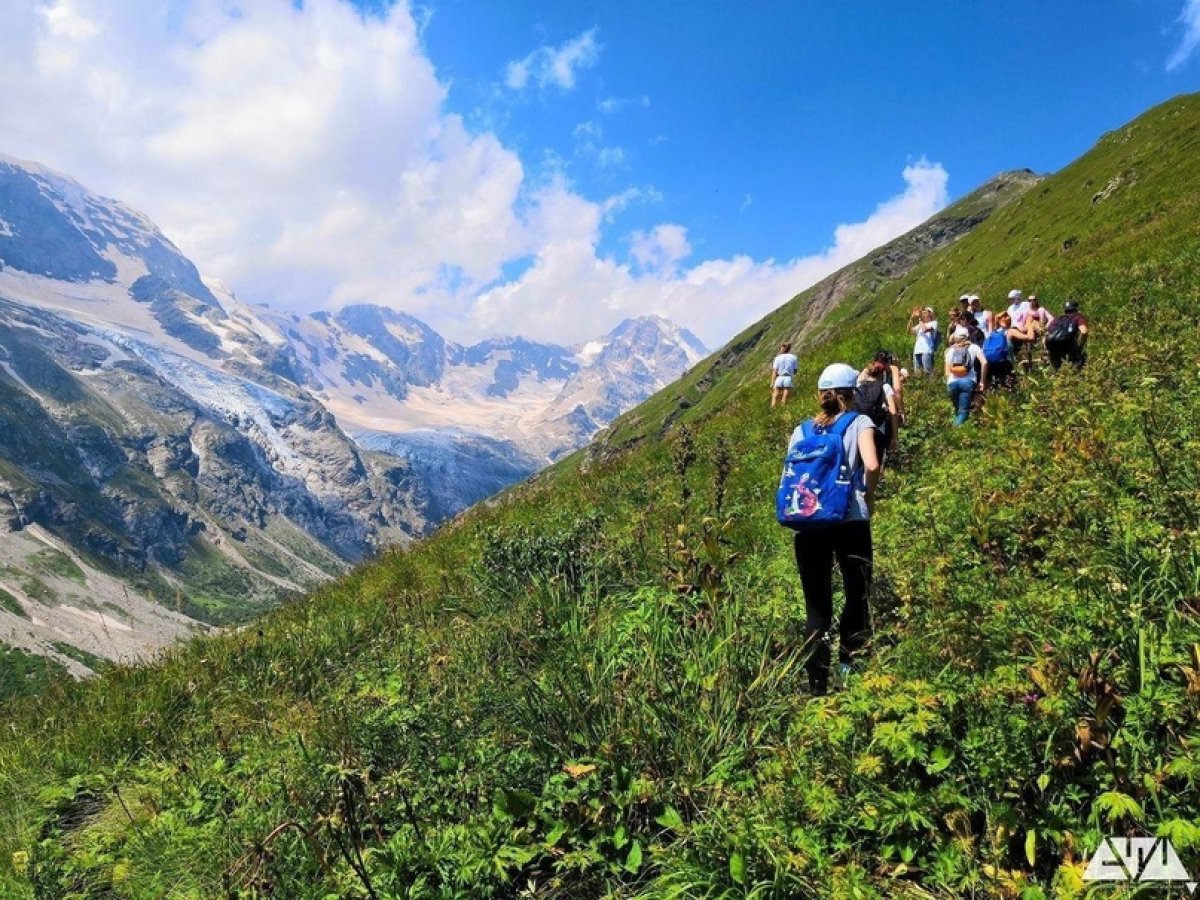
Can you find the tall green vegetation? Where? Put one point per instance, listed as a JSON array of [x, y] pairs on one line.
[[593, 687]]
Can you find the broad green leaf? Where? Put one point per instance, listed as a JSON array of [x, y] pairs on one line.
[[737, 867], [670, 819], [512, 804], [1118, 806], [939, 760], [620, 837], [633, 861]]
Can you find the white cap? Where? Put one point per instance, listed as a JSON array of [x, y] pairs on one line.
[[837, 375], [965, 297], [959, 332], [974, 297], [1014, 294]]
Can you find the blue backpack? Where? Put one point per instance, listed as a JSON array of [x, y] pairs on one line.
[[817, 484], [995, 348]]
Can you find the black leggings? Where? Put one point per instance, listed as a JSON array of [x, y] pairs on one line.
[[1072, 354], [850, 543], [1000, 374]]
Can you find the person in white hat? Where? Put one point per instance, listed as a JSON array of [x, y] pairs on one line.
[[847, 541], [1018, 308], [1023, 333]]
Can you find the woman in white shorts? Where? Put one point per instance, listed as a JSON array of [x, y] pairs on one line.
[[783, 369]]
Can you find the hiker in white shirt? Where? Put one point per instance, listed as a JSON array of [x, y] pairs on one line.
[[922, 324], [983, 317], [783, 369]]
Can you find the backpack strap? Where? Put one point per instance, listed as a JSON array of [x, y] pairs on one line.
[[842, 423]]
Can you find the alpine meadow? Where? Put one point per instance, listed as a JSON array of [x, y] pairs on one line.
[[593, 685]]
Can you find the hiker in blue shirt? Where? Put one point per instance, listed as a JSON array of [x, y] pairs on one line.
[[847, 541], [783, 369]]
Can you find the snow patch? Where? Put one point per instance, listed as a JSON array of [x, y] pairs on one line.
[[586, 355]]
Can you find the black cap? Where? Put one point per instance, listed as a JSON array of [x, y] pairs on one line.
[[1071, 306]]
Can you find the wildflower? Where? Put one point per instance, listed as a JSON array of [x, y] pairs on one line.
[[1030, 699]]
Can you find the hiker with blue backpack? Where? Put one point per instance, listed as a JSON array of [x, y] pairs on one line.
[[997, 351], [826, 495]]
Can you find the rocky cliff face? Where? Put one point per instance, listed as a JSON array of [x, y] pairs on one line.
[[214, 509]]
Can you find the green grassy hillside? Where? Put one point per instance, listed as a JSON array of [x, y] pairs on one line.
[[593, 686]]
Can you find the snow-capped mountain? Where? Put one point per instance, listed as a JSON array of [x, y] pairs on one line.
[[382, 371], [218, 456]]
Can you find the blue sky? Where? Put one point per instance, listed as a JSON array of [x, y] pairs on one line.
[[550, 168], [808, 109]]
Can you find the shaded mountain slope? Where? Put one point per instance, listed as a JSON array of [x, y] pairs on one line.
[[593, 687]]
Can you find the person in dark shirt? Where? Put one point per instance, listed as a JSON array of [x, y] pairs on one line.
[[1067, 336]]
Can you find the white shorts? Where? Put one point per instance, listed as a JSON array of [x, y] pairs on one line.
[[783, 381]]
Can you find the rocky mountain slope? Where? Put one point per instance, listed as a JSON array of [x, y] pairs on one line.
[[214, 458], [379, 370]]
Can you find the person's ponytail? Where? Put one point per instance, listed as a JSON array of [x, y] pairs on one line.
[[834, 402]]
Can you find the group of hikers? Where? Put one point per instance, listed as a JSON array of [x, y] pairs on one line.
[[985, 348], [834, 460]]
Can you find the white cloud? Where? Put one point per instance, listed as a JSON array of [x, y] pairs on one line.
[[572, 291], [64, 20], [299, 154], [588, 144], [303, 155], [619, 202], [610, 105], [660, 249], [1190, 19], [554, 66]]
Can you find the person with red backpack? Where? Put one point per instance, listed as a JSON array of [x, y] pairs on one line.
[[827, 495], [1066, 336]]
